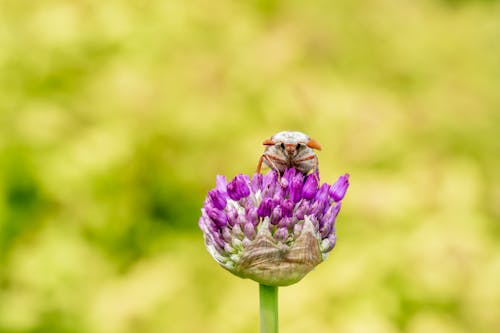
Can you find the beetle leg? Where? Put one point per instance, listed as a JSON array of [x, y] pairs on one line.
[[316, 168], [272, 157], [266, 159], [310, 157], [269, 159], [315, 164], [259, 165]]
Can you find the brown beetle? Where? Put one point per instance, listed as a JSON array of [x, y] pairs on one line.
[[290, 149]]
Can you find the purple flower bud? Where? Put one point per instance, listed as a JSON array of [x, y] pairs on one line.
[[252, 216], [247, 180], [336, 208], [246, 242], [328, 243], [238, 188], [217, 216], [333, 232], [281, 234], [322, 195], [237, 232], [217, 199], [241, 220], [232, 215], [265, 208], [287, 208], [337, 190], [331, 214], [297, 229], [212, 226], [249, 230], [203, 223], [269, 183], [228, 248], [217, 240], [302, 210], [276, 215], [269, 179], [221, 183], [328, 221], [316, 208], [226, 234], [286, 222], [279, 194], [327, 225], [220, 253], [289, 174], [256, 182], [284, 182], [314, 220], [310, 187], [296, 188], [247, 204]]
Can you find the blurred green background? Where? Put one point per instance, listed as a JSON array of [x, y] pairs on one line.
[[115, 117]]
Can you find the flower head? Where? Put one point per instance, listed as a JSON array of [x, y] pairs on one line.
[[272, 229]]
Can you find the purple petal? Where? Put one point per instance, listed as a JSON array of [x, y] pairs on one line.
[[226, 234], [212, 226], [279, 193], [289, 174], [217, 198], [302, 209], [336, 208], [269, 183], [285, 222], [332, 212], [322, 195], [249, 230], [203, 223], [265, 208], [316, 209], [238, 188], [297, 229], [256, 182], [332, 239], [284, 183], [310, 187], [217, 216], [232, 215], [241, 220], [327, 225], [281, 234], [216, 240], [276, 215], [237, 232], [338, 190], [287, 208], [296, 188], [221, 183], [251, 215], [228, 248], [314, 221]]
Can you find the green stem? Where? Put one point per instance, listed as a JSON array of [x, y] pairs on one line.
[[268, 309]]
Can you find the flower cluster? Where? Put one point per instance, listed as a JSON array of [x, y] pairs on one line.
[[270, 228]]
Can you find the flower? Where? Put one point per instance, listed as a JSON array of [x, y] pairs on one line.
[[272, 229]]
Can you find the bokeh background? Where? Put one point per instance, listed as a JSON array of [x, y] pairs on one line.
[[115, 117]]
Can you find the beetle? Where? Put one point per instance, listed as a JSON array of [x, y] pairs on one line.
[[289, 149]]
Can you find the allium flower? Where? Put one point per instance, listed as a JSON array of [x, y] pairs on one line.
[[272, 229]]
